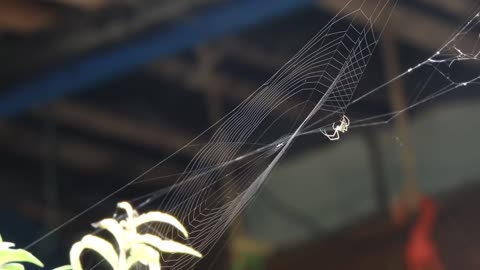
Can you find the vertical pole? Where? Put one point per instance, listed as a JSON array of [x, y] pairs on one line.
[[378, 173], [50, 185], [207, 60], [50, 173], [398, 102]]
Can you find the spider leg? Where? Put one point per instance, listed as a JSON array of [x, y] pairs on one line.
[[336, 132], [324, 132], [342, 127], [335, 136]]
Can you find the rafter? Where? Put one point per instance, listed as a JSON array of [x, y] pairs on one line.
[[227, 87], [249, 53], [23, 16], [412, 26], [84, 4], [71, 152], [459, 8], [157, 136]]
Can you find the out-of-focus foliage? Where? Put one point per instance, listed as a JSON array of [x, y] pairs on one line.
[[133, 247], [11, 259]]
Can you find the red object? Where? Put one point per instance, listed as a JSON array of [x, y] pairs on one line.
[[421, 252]]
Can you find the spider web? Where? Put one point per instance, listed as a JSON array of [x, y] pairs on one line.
[[224, 175], [308, 94], [440, 72]]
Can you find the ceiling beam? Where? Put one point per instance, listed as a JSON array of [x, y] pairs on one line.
[[206, 25], [72, 153], [232, 89], [459, 8], [155, 136], [89, 5], [23, 16], [410, 25], [249, 53]]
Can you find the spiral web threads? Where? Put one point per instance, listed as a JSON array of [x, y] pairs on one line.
[[228, 171], [316, 86], [437, 75]]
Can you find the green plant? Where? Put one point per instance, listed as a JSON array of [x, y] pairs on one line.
[[11, 259], [133, 247]]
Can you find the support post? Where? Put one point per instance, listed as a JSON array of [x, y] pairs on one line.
[[396, 95]]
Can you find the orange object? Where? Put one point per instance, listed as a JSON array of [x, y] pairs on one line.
[[421, 252]]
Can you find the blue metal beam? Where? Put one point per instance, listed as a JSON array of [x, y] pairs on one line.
[[231, 16]]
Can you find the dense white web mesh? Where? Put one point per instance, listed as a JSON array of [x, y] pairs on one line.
[[316, 86], [227, 172], [437, 75], [308, 94]]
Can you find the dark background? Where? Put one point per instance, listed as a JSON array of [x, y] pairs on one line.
[[93, 93]]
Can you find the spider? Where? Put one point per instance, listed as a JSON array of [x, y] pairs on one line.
[[342, 127]]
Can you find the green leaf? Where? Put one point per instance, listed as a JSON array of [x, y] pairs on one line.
[[12, 266], [143, 254], [115, 229], [18, 255], [64, 267], [160, 217], [128, 209], [97, 244], [6, 245], [167, 245]]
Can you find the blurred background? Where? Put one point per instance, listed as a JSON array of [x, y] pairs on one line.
[[95, 92]]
